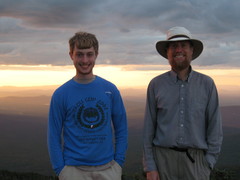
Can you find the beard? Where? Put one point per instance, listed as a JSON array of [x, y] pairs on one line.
[[179, 66]]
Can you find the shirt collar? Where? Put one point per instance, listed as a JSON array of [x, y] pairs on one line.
[[174, 77]]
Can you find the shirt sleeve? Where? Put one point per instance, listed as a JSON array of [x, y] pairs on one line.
[[55, 124], [214, 127], [119, 120], [149, 130]]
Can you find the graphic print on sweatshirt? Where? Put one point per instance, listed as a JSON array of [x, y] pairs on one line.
[[91, 114]]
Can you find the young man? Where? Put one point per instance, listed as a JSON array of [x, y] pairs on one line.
[[183, 129], [87, 129]]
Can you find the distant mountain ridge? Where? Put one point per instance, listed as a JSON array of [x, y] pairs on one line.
[[24, 148], [23, 126]]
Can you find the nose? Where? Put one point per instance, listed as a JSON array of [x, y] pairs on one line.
[[84, 58]]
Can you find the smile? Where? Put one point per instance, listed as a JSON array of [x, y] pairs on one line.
[[179, 56], [84, 64]]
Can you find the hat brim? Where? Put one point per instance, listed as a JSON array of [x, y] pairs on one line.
[[161, 47]]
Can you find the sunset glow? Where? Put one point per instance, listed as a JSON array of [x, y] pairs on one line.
[[123, 76]]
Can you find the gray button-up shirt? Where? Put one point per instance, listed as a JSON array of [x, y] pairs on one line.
[[182, 114]]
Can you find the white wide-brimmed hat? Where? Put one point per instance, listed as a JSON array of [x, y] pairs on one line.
[[179, 34]]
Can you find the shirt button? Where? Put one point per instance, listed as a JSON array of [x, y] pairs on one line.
[[181, 112], [182, 85], [181, 125], [182, 98]]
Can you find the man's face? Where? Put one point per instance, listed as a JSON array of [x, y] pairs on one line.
[[84, 61], [179, 55]]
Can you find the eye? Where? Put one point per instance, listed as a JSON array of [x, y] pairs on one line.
[[184, 45], [173, 45], [79, 55], [90, 54]]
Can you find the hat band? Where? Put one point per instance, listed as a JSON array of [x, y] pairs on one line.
[[177, 36]]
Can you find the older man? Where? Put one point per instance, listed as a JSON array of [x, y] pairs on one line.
[[183, 129]]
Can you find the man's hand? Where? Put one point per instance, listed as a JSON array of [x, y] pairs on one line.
[[153, 175]]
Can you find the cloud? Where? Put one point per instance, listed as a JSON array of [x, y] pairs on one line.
[[56, 13], [37, 32]]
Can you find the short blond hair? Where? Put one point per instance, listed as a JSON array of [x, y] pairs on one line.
[[83, 40]]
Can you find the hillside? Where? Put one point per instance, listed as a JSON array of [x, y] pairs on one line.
[[23, 126], [23, 139]]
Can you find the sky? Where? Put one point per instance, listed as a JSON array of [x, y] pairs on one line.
[[34, 38]]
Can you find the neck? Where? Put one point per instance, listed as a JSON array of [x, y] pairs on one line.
[[84, 79], [183, 74]]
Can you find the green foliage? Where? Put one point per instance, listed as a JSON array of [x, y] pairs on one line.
[[136, 176], [217, 174], [222, 174], [7, 175]]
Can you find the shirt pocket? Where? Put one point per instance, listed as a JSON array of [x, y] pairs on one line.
[[198, 108]]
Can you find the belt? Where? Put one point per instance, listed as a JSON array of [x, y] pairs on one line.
[[183, 150]]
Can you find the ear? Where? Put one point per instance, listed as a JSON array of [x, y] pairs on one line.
[[70, 54], [192, 49], [96, 53]]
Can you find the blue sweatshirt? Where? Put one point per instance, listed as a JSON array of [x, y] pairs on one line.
[[80, 124]]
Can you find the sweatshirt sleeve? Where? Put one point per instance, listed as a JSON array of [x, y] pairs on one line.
[[54, 134], [119, 120]]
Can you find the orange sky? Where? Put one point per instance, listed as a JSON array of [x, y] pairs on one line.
[[122, 76]]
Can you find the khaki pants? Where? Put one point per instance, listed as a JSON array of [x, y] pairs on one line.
[[175, 165], [110, 171]]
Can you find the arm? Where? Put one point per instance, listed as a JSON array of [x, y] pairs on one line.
[[55, 123], [149, 131], [120, 128], [214, 128]]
